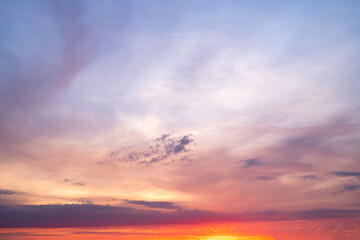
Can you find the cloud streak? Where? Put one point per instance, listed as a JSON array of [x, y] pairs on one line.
[[33, 216], [155, 204], [10, 192], [350, 188], [346, 174], [252, 162]]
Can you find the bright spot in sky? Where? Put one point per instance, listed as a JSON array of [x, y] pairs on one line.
[[235, 238], [221, 237]]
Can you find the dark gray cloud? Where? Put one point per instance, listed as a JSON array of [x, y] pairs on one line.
[[175, 145], [162, 148], [162, 138], [346, 174], [88, 215], [252, 162], [350, 187], [10, 192], [155, 204]]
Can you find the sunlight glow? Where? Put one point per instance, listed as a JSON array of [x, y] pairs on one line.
[[236, 238]]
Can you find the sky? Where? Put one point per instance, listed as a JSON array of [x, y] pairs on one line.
[[184, 120]]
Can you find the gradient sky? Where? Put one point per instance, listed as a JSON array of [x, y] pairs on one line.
[[183, 119]]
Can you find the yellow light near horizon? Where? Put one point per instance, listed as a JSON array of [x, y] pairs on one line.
[[235, 238], [220, 238]]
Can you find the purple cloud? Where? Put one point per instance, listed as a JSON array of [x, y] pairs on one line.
[[88, 215], [155, 204]]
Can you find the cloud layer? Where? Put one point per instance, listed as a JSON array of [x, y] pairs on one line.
[[25, 216]]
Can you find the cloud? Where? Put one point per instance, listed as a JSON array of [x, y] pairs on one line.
[[81, 184], [252, 162], [309, 177], [176, 145], [161, 149], [88, 215], [326, 213], [322, 143], [154, 204], [92, 215], [350, 187], [10, 192], [27, 234], [346, 174], [265, 178]]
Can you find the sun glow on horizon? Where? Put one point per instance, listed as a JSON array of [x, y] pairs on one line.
[[236, 238], [179, 232]]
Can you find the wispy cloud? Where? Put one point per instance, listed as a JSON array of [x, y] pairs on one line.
[[252, 162], [346, 174], [265, 178], [310, 177], [155, 204], [10, 192], [350, 187]]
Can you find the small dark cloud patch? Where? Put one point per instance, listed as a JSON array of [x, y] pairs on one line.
[[176, 145], [265, 178], [252, 162], [81, 184], [350, 187], [162, 138], [157, 159], [67, 180], [346, 174], [10, 192], [310, 177], [165, 147], [155, 204], [186, 159]]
